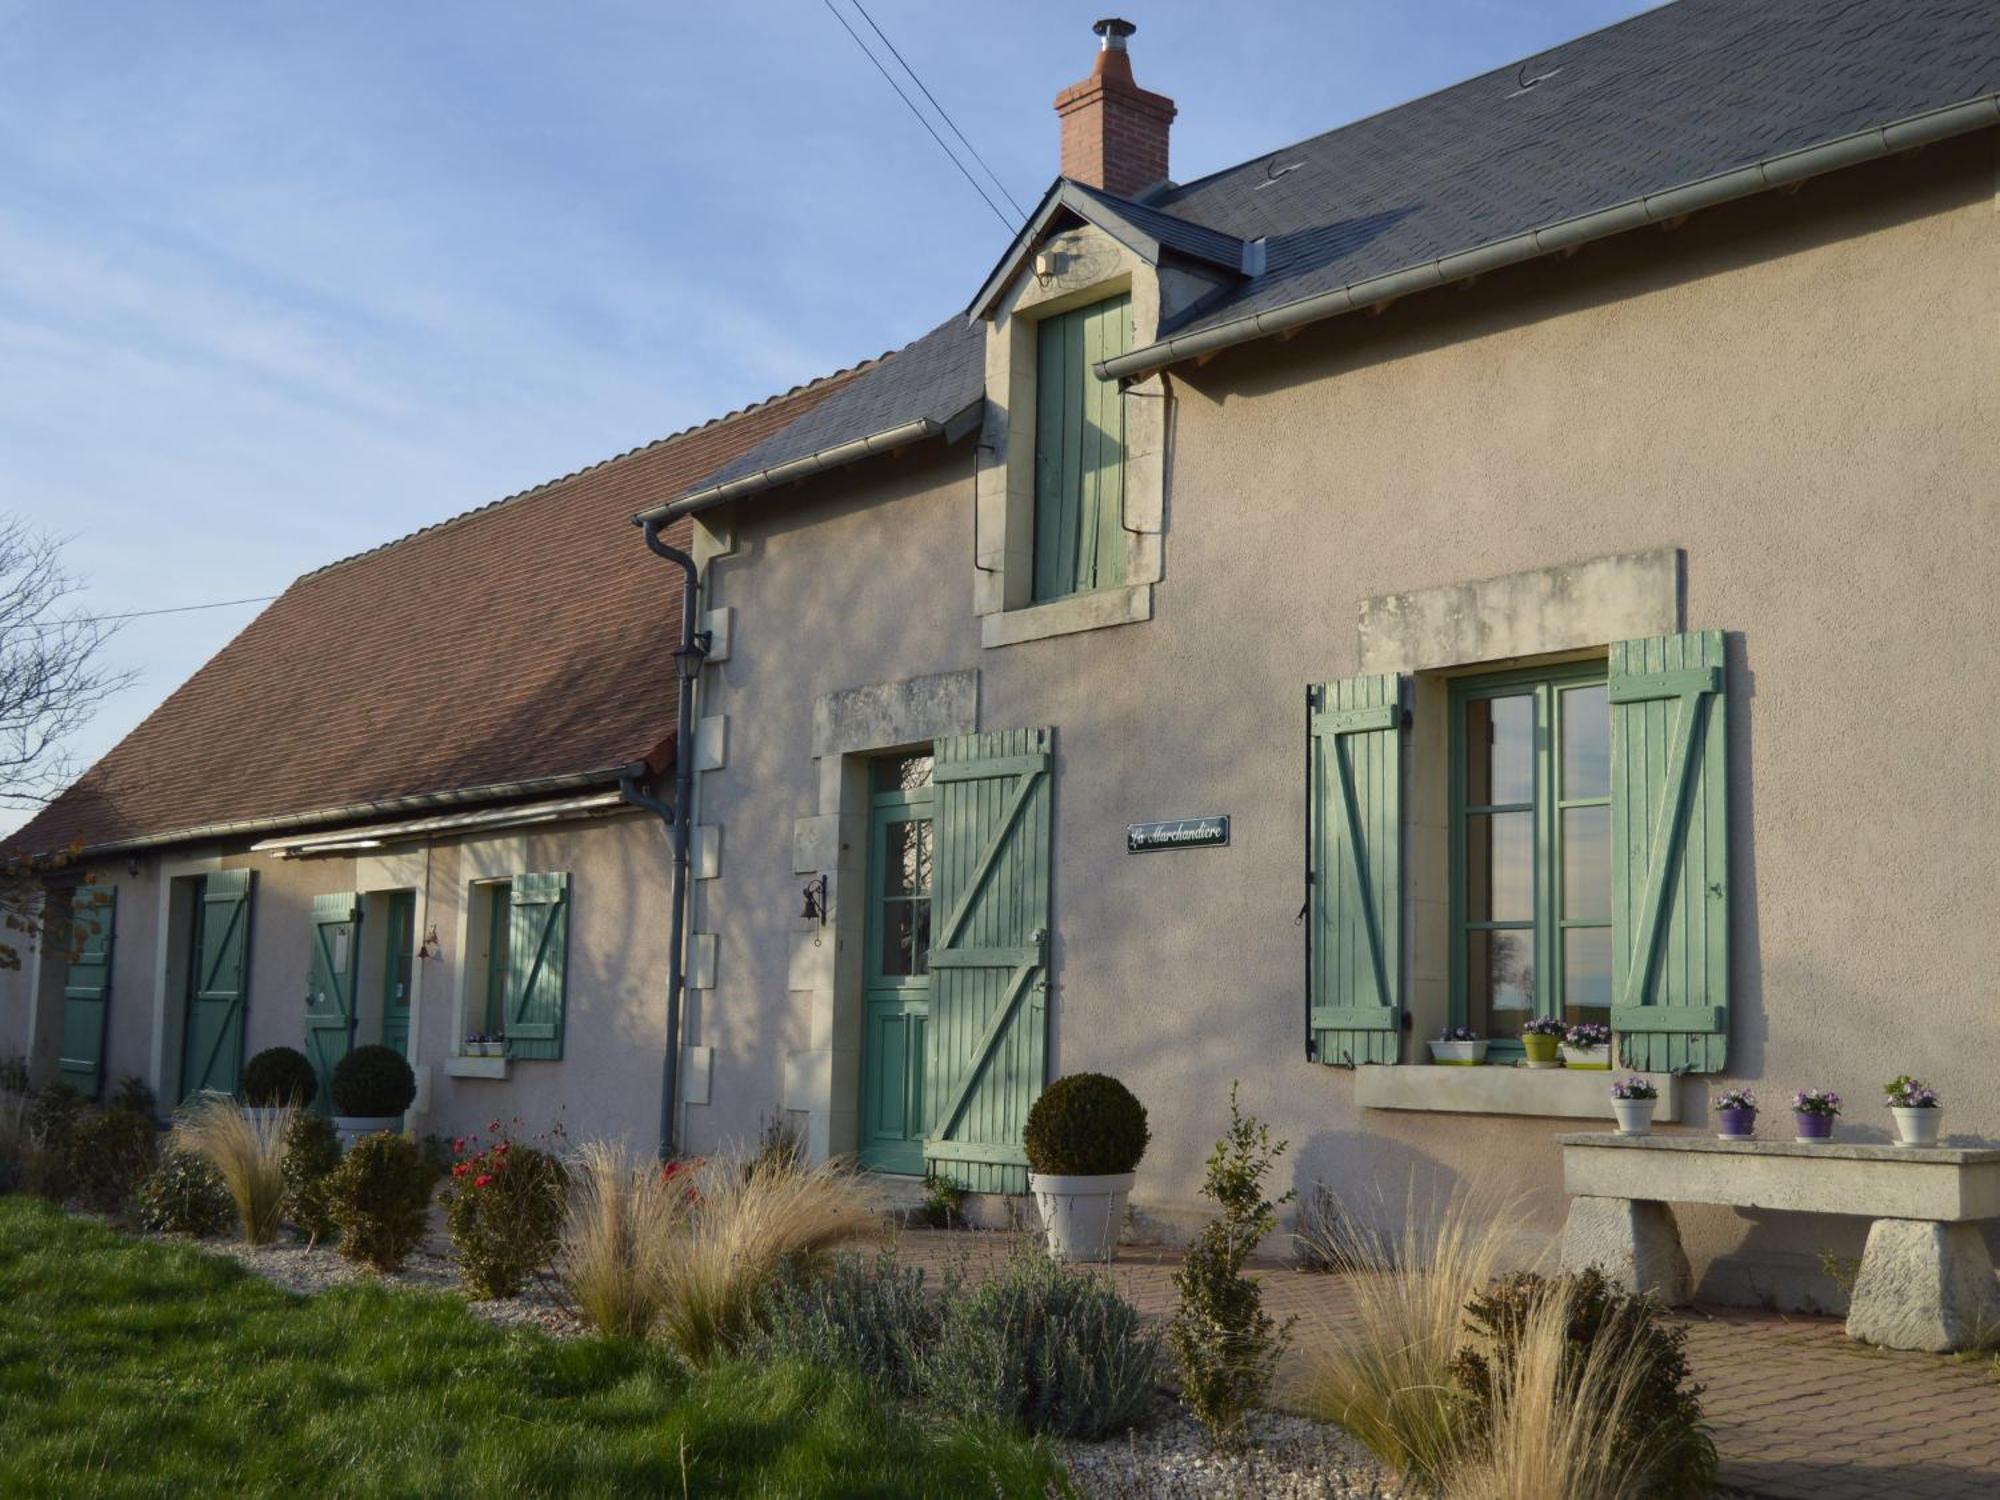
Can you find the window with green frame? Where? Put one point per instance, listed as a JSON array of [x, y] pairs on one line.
[[1079, 451], [495, 911], [1531, 849]]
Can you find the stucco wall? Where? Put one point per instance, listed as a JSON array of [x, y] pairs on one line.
[[1799, 392]]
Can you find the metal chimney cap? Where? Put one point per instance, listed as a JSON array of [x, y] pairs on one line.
[[1114, 31]]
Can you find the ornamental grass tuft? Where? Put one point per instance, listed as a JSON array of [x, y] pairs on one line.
[[622, 1210], [249, 1155]]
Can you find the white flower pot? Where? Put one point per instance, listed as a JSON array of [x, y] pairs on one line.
[[1459, 1054], [350, 1128], [1917, 1127], [1635, 1116], [1598, 1058], [1082, 1216]]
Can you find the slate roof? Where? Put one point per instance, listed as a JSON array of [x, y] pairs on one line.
[[521, 643]]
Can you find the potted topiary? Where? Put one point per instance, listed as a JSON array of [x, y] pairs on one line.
[[1540, 1038], [1588, 1045], [371, 1088], [1632, 1101], [1459, 1047], [277, 1078], [1084, 1138], [1735, 1114], [1813, 1112], [1917, 1109]]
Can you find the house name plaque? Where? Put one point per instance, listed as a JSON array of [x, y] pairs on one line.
[[1177, 833]]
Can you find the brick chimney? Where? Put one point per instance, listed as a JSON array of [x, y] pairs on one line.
[[1114, 133]]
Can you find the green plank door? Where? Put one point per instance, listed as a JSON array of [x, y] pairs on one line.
[[398, 966], [987, 1047], [897, 990], [87, 988], [1080, 451], [330, 984], [218, 985], [1670, 853], [1354, 793]]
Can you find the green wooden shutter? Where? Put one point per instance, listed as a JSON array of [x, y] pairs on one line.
[[1670, 853], [331, 984], [537, 965], [212, 1059], [1354, 801], [986, 1052], [87, 988], [1080, 451]]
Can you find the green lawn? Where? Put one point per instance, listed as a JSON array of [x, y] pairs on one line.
[[129, 1368]]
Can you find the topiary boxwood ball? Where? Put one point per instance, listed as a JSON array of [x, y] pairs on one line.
[[373, 1081], [1086, 1125], [278, 1076]]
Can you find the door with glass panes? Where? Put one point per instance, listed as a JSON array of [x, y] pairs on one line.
[[897, 986]]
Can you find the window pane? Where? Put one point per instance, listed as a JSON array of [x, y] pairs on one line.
[[906, 858], [1587, 974], [904, 773], [1500, 750], [1500, 867], [1586, 835], [1586, 729], [906, 938], [1499, 980]]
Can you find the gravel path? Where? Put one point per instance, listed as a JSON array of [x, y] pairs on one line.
[[1288, 1457]]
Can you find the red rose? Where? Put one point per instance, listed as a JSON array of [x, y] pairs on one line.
[[461, 1169], [482, 1180]]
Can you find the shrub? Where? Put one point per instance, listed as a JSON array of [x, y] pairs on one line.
[[312, 1151], [111, 1151], [621, 1212], [50, 1120], [875, 1316], [504, 1207], [184, 1195], [134, 1097], [1227, 1346], [1604, 1353], [1052, 1349], [1327, 1239], [944, 1203], [278, 1076], [736, 1230], [378, 1196], [250, 1155], [779, 1148], [372, 1082], [1086, 1125]]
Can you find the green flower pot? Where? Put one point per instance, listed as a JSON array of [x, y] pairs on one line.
[[1540, 1049]]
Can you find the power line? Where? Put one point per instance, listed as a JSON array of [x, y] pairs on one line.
[[137, 614], [916, 79], [921, 120]]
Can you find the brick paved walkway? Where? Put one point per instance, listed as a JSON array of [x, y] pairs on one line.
[[1799, 1411]]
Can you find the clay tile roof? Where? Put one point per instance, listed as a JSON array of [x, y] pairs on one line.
[[528, 641]]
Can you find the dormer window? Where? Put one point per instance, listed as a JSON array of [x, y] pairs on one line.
[[1080, 451]]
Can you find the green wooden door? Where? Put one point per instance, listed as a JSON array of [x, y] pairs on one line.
[[399, 914], [330, 984], [87, 989], [986, 1051], [897, 995], [218, 984]]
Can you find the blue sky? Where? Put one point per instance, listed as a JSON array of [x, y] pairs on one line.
[[281, 281]]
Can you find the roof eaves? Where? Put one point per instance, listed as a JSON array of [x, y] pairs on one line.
[[1772, 172]]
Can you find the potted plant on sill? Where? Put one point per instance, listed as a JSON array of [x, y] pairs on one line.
[[371, 1088], [1459, 1047], [1084, 1138], [1540, 1039], [1813, 1112], [475, 1045], [276, 1079], [1587, 1045], [1917, 1109], [1735, 1114], [1632, 1101]]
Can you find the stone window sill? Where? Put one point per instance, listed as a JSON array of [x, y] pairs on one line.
[[476, 1067], [1096, 611], [1539, 1093]]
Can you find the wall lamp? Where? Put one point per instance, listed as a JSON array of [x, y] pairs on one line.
[[815, 907], [689, 658]]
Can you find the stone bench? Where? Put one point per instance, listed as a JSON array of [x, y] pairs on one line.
[[1926, 1280]]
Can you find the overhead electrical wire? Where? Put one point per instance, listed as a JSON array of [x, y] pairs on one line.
[[137, 614], [931, 129]]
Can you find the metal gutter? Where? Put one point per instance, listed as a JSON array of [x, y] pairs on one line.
[[353, 811], [1772, 172], [799, 468], [487, 818]]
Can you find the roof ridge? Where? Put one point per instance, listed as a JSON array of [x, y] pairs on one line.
[[646, 447]]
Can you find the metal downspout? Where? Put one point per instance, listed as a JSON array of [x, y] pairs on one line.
[[674, 815]]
